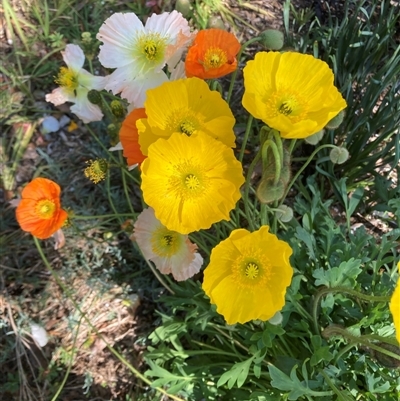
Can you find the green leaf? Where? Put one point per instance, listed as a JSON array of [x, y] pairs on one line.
[[343, 275], [237, 374]]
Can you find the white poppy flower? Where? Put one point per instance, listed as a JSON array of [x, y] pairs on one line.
[[170, 251], [75, 83], [139, 53]]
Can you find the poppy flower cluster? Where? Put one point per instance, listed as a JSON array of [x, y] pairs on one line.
[[180, 134]]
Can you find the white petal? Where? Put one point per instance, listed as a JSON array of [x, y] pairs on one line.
[[73, 57], [60, 96], [118, 146], [120, 78], [135, 91], [145, 225], [90, 81], [39, 334], [178, 72], [84, 109], [183, 272], [168, 24], [174, 51], [118, 33]]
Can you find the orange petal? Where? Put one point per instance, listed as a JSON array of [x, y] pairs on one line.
[[128, 135]]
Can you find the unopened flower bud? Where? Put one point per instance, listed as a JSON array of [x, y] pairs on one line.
[[272, 39], [276, 320], [94, 97], [268, 191], [315, 138], [86, 37], [117, 108], [336, 121], [339, 155], [216, 22], [183, 6], [97, 170], [285, 213]]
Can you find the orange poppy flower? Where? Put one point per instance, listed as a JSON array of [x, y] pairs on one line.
[[212, 55], [129, 137], [39, 211]]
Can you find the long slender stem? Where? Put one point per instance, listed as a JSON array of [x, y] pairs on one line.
[[342, 290], [246, 137]]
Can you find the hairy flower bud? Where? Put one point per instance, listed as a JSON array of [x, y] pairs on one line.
[[183, 6], [315, 138], [272, 39], [339, 155], [336, 121]]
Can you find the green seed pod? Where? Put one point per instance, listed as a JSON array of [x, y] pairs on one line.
[[336, 121], [272, 39], [315, 138], [339, 155], [94, 97]]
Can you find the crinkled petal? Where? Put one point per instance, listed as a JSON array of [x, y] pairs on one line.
[[84, 109], [168, 25], [74, 57], [182, 272], [118, 33]]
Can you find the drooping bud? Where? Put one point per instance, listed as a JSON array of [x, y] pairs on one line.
[[272, 39], [117, 108], [184, 7], [97, 170], [216, 22], [336, 121], [339, 155], [268, 192], [315, 138], [94, 97]]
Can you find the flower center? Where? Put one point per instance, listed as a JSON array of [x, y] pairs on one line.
[[187, 127], [251, 269], [166, 243], [287, 103], [185, 121], [188, 181], [150, 48], [192, 182], [45, 209], [214, 58], [67, 78]]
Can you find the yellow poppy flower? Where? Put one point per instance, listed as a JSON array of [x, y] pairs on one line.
[[291, 92], [191, 182], [395, 307], [248, 275], [187, 106]]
